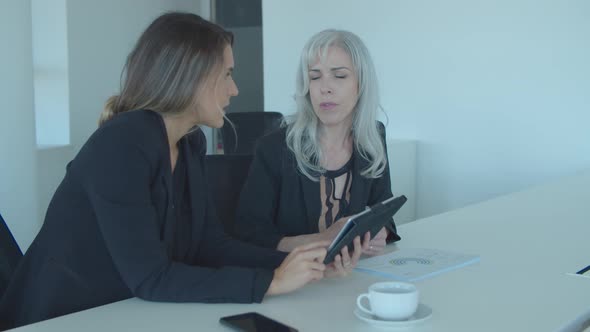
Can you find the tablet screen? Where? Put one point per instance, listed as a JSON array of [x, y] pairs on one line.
[[345, 229]]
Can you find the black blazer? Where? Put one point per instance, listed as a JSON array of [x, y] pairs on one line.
[[277, 200], [107, 232]]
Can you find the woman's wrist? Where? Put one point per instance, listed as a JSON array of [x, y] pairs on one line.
[[288, 243], [273, 285]]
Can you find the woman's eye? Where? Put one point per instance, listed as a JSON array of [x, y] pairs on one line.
[[340, 76], [313, 78]]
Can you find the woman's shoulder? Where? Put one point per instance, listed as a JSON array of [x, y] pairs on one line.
[[138, 125], [141, 129]]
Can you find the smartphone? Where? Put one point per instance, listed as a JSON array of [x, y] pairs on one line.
[[254, 322]]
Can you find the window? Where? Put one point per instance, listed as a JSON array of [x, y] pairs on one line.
[[50, 70]]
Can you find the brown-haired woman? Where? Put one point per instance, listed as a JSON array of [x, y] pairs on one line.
[[132, 216]]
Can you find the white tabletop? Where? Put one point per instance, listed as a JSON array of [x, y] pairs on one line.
[[528, 242]]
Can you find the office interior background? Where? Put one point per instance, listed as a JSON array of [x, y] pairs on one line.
[[495, 94]]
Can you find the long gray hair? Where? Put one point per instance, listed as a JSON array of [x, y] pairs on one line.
[[303, 126], [172, 59]]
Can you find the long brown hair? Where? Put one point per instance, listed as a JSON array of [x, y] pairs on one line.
[[168, 65]]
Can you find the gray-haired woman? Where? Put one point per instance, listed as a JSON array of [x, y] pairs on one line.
[[328, 161]]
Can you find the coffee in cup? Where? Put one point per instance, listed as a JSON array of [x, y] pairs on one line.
[[390, 300]]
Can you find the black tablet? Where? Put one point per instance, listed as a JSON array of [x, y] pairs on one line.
[[372, 219]]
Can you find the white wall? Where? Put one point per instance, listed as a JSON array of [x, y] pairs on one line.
[[402, 169], [495, 92], [18, 203], [50, 172]]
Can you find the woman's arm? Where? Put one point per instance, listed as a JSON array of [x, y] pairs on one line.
[[288, 243]]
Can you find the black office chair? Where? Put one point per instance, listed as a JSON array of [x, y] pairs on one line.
[[10, 255], [250, 126], [227, 174]]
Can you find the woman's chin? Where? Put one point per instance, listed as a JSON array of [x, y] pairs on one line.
[[217, 124], [212, 122]]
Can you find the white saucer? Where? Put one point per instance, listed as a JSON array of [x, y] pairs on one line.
[[423, 313]]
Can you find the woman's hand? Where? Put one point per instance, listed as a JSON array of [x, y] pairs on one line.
[[375, 246], [302, 265], [289, 243], [344, 263]]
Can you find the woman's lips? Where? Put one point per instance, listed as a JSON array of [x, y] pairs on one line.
[[328, 106]]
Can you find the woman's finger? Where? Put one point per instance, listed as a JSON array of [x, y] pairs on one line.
[[382, 235], [338, 266], [314, 265], [366, 241], [358, 249], [346, 261]]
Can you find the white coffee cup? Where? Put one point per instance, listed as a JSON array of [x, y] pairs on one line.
[[390, 300]]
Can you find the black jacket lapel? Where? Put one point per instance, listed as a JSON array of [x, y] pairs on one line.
[[313, 206], [360, 185], [197, 191]]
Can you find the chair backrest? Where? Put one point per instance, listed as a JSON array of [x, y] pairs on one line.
[[250, 126], [227, 174], [10, 255]]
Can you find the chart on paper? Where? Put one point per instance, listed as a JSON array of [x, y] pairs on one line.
[[415, 264]]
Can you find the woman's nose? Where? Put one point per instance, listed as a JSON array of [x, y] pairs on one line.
[[325, 88], [233, 90]]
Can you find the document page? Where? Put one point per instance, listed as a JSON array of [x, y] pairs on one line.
[[415, 264]]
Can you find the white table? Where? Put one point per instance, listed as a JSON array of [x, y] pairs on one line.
[[528, 241]]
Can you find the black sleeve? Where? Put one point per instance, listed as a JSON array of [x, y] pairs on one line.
[[255, 215], [381, 190], [116, 171]]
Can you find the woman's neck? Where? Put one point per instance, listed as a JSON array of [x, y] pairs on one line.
[[336, 145], [335, 137], [176, 127]]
